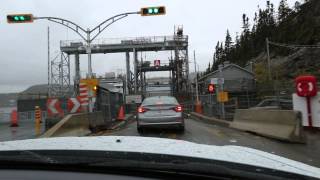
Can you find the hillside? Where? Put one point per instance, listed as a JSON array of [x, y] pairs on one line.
[[8, 100], [294, 49]]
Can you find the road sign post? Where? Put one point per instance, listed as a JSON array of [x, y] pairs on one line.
[[306, 86], [220, 83]]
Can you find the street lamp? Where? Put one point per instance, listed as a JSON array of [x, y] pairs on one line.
[[87, 35]]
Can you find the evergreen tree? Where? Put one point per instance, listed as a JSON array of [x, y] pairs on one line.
[[228, 46], [251, 42], [283, 10], [297, 6]]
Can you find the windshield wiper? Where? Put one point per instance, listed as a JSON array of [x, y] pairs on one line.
[[26, 155]]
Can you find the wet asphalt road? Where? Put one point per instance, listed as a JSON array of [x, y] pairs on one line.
[[203, 133], [25, 130]]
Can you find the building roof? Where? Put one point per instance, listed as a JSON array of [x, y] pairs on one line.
[[226, 67]]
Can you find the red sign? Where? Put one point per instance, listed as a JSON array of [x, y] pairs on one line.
[[54, 107], [211, 88], [157, 63], [306, 86], [74, 105]]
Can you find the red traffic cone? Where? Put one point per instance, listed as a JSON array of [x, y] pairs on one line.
[[121, 114], [14, 118]]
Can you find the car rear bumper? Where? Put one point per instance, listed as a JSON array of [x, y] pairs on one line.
[[175, 122]]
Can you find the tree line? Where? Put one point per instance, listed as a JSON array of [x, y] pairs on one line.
[[282, 24]]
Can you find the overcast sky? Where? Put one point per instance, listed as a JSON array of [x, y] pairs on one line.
[[23, 47]]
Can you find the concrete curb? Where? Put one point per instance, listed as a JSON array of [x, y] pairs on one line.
[[123, 123], [210, 120], [68, 126], [116, 127]]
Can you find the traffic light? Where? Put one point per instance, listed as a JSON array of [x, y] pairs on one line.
[[19, 18], [93, 90], [152, 11], [211, 88]]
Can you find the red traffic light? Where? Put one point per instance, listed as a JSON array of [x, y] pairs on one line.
[[211, 88], [306, 86]]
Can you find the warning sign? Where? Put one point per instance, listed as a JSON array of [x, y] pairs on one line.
[[223, 97]]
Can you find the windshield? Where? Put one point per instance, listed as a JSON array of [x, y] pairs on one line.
[[220, 74]]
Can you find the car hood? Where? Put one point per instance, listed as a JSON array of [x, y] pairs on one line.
[[235, 154]]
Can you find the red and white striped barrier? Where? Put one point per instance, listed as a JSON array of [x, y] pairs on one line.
[[84, 95]]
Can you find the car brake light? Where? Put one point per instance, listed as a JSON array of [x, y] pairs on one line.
[[141, 110], [178, 108]]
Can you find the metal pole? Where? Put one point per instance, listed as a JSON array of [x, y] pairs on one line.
[[89, 53], [195, 69], [268, 59], [77, 69], [135, 71], [68, 59], [221, 90], [128, 72], [49, 94]]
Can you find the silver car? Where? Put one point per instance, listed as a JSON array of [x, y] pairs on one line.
[[160, 112]]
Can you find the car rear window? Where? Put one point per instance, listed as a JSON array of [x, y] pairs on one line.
[[160, 100]]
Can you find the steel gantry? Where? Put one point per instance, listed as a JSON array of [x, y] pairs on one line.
[[60, 84], [177, 43]]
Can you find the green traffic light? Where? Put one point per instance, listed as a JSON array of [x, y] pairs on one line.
[[152, 11], [19, 18]]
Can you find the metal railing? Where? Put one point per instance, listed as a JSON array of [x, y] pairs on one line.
[[123, 41]]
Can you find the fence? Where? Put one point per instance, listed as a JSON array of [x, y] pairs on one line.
[[22, 116], [30, 115], [239, 100]]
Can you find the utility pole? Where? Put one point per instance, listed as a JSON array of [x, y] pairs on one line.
[[268, 59], [221, 90], [195, 69], [88, 49]]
